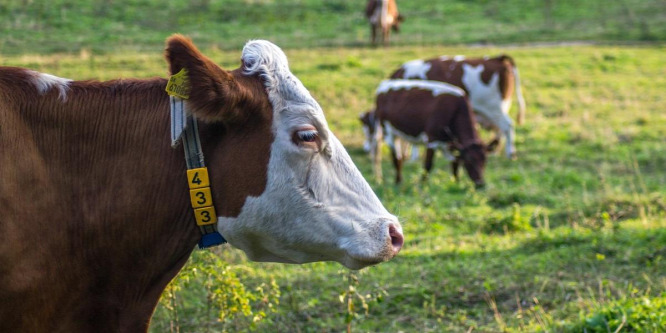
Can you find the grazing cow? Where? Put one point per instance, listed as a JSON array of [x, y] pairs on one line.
[[427, 112], [95, 209], [383, 16], [489, 83]]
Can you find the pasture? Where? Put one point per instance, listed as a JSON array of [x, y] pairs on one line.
[[570, 235], [65, 25]]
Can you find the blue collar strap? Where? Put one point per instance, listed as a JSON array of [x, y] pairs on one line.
[[184, 126]]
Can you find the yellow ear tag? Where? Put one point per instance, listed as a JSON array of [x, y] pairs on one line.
[[179, 85]]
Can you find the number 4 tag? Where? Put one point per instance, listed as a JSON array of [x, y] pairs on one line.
[[198, 178]]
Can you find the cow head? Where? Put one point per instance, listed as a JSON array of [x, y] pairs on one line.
[[473, 159], [284, 186]]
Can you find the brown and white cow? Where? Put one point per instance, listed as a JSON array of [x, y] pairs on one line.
[[383, 16], [432, 113], [95, 215], [489, 83]]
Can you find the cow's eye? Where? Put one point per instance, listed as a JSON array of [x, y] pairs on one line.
[[306, 137]]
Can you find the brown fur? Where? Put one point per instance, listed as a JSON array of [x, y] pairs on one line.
[[95, 217]]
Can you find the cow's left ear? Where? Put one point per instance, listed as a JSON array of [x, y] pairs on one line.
[[492, 145], [214, 94]]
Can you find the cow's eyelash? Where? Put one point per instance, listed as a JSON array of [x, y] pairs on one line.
[[307, 135]]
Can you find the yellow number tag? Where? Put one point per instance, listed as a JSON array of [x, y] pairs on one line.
[[198, 178], [201, 197], [205, 216], [179, 85]]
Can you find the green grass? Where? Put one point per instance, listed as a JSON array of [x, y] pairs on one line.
[[570, 236], [112, 25]]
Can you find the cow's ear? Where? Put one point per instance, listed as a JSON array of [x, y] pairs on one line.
[[492, 145], [214, 94]]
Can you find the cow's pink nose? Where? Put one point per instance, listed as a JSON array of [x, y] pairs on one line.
[[396, 238]]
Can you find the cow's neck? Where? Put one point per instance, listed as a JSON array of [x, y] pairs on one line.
[[120, 185], [463, 127]]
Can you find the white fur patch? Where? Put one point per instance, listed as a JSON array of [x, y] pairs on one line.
[[45, 82], [436, 87], [416, 69], [487, 101]]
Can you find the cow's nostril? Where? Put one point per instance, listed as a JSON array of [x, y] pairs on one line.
[[396, 238]]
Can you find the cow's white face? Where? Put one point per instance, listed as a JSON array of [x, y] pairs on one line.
[[316, 205]]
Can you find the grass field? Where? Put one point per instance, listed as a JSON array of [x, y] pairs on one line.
[[570, 237]]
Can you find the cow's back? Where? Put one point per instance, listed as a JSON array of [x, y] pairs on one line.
[[61, 145], [452, 70]]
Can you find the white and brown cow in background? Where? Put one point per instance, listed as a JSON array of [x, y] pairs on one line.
[[489, 83], [383, 16], [430, 113], [95, 215]]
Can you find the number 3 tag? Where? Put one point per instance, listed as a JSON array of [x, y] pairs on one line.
[[205, 216], [201, 197]]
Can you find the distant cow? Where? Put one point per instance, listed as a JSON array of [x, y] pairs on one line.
[[427, 112], [489, 83], [95, 209], [383, 16]]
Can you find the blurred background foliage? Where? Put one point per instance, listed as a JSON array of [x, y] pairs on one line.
[[110, 25]]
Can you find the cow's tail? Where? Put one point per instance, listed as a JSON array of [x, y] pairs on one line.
[[520, 117]]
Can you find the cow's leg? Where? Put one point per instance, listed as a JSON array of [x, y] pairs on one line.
[[375, 152], [427, 163], [367, 143], [404, 148], [497, 138], [385, 35], [505, 125], [396, 156], [397, 163], [415, 153], [489, 125], [373, 33], [502, 124], [455, 164]]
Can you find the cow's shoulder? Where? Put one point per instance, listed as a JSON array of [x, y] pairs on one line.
[[17, 83]]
